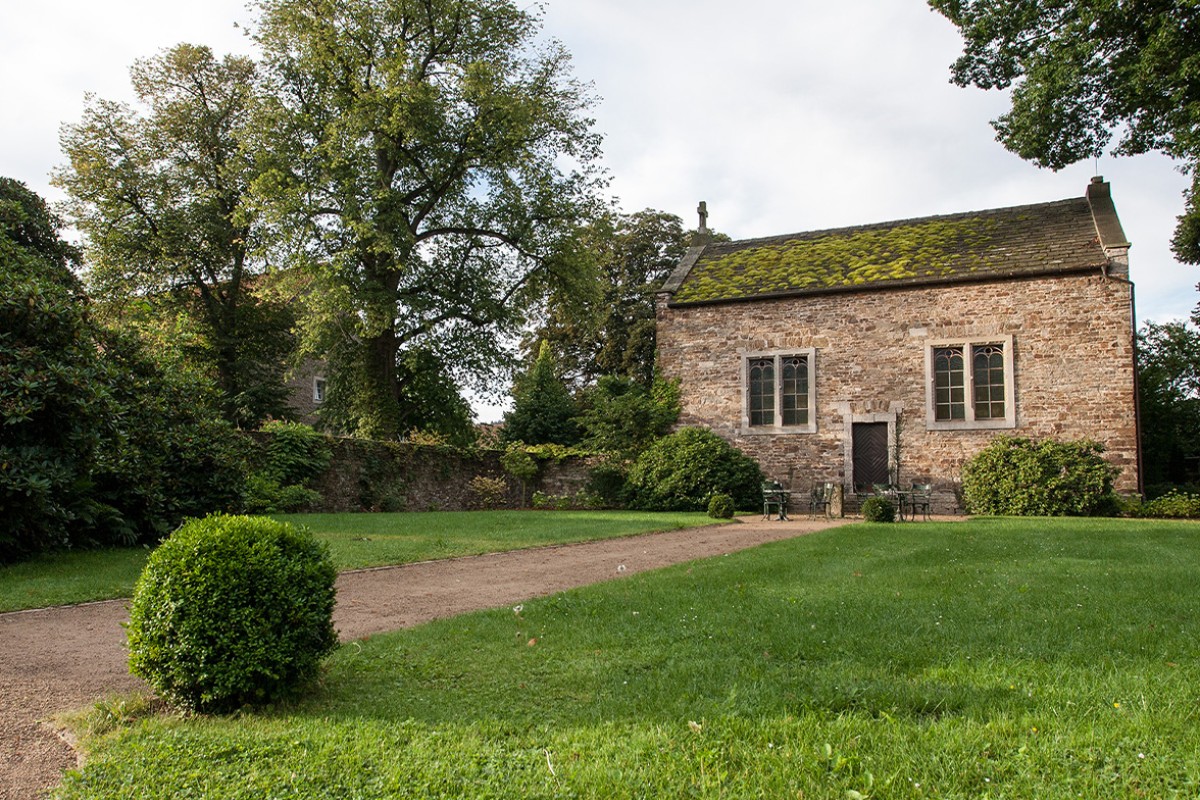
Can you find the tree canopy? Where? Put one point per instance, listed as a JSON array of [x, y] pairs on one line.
[[1169, 393], [427, 162], [159, 192], [1086, 72]]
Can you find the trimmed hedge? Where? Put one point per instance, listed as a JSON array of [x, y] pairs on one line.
[[232, 611]]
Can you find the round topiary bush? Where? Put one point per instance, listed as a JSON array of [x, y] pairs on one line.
[[878, 509], [682, 471], [232, 611], [720, 506]]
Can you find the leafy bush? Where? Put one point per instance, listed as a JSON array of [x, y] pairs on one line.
[[878, 509], [489, 492], [232, 611], [265, 496], [292, 455], [607, 483], [295, 453], [1014, 476], [1174, 504], [622, 416], [682, 471], [720, 506], [101, 444]]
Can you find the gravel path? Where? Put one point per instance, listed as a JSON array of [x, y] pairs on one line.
[[55, 660]]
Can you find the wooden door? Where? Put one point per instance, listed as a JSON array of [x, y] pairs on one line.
[[870, 442]]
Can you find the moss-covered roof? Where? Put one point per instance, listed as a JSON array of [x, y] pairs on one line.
[[1009, 242]]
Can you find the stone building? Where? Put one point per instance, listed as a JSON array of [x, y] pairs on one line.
[[891, 353]]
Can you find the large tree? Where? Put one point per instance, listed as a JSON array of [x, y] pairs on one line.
[[429, 163], [610, 329], [1083, 72], [159, 192]]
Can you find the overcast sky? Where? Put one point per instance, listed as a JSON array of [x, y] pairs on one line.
[[784, 115]]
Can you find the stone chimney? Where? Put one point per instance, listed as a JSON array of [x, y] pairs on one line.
[[1108, 227]]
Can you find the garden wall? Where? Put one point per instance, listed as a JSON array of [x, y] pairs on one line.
[[396, 476]]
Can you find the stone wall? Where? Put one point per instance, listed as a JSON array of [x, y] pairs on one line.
[[391, 476], [1073, 364]]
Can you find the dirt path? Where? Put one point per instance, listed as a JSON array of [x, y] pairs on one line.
[[55, 660]]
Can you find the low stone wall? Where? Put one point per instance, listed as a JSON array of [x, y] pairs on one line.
[[397, 476]]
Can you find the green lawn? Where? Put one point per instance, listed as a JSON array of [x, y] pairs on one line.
[[356, 540], [985, 659]]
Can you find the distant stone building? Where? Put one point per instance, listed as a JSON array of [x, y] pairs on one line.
[[892, 353]]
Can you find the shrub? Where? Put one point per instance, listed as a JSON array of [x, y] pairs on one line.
[[624, 417], [295, 453], [878, 509], [292, 455], [232, 611], [1013, 476], [1174, 504], [720, 506], [489, 492], [265, 496], [607, 483], [682, 471]]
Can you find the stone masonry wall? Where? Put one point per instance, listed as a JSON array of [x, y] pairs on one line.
[[394, 476], [1073, 365]]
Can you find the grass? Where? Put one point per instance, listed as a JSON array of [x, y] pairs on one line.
[[355, 540], [986, 659]]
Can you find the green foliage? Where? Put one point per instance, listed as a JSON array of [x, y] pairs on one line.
[[1082, 72], [53, 384], [1014, 476], [608, 327], [168, 454], [543, 411], [623, 417], [720, 506], [267, 496], [1169, 396], [447, 153], [232, 611], [489, 493], [160, 193], [1175, 504], [427, 400], [292, 455], [518, 463], [295, 453], [878, 509], [607, 482], [682, 471]]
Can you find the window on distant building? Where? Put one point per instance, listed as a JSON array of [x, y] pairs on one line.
[[318, 390], [970, 384], [779, 391]]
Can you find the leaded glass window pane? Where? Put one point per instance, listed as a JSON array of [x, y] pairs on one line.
[[762, 391], [988, 375], [949, 383], [794, 390]]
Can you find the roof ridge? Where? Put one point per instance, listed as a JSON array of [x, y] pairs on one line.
[[783, 237]]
